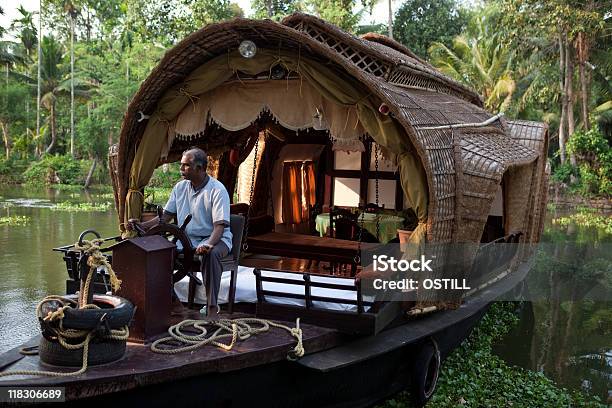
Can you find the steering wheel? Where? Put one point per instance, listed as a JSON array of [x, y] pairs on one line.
[[177, 233]]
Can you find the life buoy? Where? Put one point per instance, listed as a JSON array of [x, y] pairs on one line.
[[99, 352], [114, 312]]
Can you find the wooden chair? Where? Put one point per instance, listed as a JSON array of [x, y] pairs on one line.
[[335, 215], [373, 208], [230, 262], [342, 225], [313, 211], [239, 208], [345, 225]]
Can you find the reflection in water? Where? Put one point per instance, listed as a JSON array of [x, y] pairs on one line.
[[29, 270], [567, 341], [563, 334], [29, 202]]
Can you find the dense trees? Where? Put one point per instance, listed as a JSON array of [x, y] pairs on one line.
[[534, 59], [418, 23], [546, 61], [481, 60]]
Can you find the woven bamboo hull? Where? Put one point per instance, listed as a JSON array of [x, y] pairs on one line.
[[337, 371]]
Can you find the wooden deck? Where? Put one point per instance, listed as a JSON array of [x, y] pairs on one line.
[[142, 367]]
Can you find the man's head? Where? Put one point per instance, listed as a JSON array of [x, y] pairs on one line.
[[193, 165]]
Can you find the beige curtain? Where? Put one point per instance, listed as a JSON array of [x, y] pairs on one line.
[[294, 104], [334, 86]]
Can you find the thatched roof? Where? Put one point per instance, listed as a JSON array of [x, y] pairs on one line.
[[418, 97]]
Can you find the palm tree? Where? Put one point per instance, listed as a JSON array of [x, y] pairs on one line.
[[55, 84], [73, 12], [10, 56], [2, 29], [481, 61], [51, 82], [26, 31], [390, 17]]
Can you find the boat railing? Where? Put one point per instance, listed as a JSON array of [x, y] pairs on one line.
[[345, 307], [496, 256], [308, 284]]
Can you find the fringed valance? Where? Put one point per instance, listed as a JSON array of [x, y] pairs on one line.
[[294, 104]]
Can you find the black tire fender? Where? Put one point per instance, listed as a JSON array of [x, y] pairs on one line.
[[53, 353], [119, 313], [425, 372]]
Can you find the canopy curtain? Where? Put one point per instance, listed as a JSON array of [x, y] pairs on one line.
[[293, 103], [308, 188], [332, 85]]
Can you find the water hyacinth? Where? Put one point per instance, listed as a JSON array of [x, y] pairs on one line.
[[77, 207], [14, 220]]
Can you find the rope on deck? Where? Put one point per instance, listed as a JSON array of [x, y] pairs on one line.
[[234, 329], [95, 260]]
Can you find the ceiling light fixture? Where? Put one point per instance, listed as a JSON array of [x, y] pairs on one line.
[[247, 49]]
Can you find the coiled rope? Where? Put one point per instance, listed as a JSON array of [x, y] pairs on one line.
[[94, 261], [234, 329]]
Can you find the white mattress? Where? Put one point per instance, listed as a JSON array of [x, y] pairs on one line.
[[246, 291]]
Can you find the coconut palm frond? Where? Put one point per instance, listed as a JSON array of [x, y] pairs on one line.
[[502, 92], [47, 100], [603, 107]]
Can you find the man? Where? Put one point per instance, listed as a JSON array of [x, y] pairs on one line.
[[207, 200]]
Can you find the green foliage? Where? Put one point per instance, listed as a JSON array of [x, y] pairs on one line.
[[595, 169], [54, 169], [156, 196], [372, 28], [480, 59], [419, 23], [167, 178], [600, 322], [82, 207], [275, 9], [562, 173], [472, 376], [589, 142], [586, 218], [526, 17], [11, 170], [337, 12], [14, 220]]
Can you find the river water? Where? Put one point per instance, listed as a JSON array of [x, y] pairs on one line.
[[569, 341], [29, 269]]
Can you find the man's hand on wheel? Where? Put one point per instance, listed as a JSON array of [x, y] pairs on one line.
[[131, 224], [134, 224]]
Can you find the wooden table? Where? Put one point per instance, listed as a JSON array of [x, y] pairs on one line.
[[326, 249]]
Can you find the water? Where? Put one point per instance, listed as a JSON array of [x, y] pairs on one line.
[[29, 269], [569, 341]]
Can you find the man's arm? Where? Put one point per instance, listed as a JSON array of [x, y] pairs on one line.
[[166, 217], [214, 238], [169, 212]]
